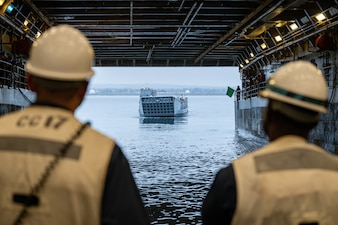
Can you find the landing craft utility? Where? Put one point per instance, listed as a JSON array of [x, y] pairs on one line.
[[152, 105]]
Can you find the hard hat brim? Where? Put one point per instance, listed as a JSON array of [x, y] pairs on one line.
[[56, 75], [266, 93]]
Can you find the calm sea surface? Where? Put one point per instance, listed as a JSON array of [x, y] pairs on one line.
[[175, 160]]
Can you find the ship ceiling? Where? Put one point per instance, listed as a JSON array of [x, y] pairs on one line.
[[179, 32]]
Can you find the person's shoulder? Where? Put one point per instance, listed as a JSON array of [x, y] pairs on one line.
[[93, 135], [226, 173], [225, 181], [97, 132]]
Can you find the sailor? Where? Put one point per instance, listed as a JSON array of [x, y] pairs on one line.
[[53, 168], [238, 93], [289, 181]]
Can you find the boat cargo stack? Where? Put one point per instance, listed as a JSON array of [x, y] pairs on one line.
[[153, 105]]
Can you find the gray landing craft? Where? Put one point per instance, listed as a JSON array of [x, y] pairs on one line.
[[153, 105]]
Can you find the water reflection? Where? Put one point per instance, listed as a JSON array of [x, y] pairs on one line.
[[174, 159], [163, 120], [174, 172]]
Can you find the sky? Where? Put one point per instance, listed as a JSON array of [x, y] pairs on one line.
[[189, 76]]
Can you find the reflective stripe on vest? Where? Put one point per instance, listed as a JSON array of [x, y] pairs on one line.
[[293, 160]]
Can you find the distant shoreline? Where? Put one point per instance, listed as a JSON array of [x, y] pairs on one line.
[[224, 94], [161, 91]]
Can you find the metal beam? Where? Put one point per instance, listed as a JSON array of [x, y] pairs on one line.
[[234, 30]]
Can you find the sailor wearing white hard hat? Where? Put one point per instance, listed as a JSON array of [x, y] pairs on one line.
[[289, 181], [53, 168]]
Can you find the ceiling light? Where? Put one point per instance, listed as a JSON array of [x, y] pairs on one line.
[[293, 26], [252, 55], [281, 23], [38, 34], [25, 22], [246, 61], [278, 38], [320, 17], [241, 65], [263, 46], [9, 8]]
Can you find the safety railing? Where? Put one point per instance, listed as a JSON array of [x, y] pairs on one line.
[[250, 91], [11, 75]]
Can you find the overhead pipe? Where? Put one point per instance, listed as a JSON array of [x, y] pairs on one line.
[[238, 26], [38, 12], [9, 22], [264, 15], [179, 9], [131, 22], [182, 33], [186, 29], [233, 30], [179, 30], [286, 45], [18, 28], [150, 52]]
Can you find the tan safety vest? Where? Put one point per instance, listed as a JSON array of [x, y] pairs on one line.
[[73, 192], [288, 182]]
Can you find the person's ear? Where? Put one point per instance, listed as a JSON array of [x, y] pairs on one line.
[[266, 119], [83, 89]]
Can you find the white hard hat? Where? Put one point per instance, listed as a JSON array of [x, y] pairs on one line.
[[61, 53], [298, 83]]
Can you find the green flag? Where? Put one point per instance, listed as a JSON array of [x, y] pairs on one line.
[[230, 92]]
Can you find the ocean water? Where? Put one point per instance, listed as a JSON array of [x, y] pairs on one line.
[[174, 161]]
